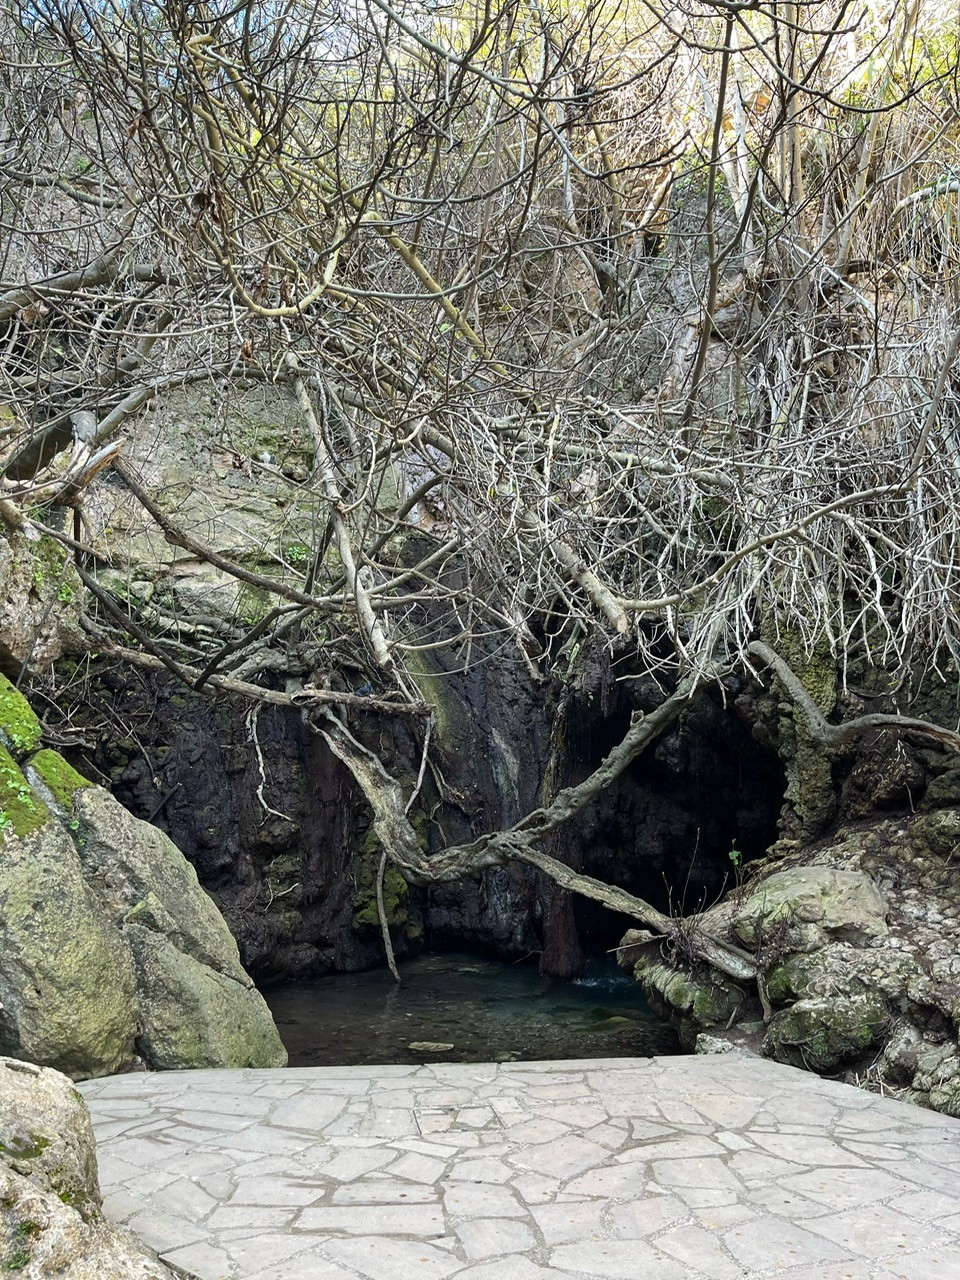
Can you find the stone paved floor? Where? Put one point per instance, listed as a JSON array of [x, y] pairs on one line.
[[636, 1169]]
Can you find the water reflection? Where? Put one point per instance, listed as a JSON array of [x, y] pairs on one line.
[[486, 1010]]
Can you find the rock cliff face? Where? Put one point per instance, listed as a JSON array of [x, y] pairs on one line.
[[110, 952], [273, 824], [50, 1219], [281, 837]]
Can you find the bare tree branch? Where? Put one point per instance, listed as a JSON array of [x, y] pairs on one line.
[[840, 735]]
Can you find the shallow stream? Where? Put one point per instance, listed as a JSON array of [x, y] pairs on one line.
[[461, 1008]]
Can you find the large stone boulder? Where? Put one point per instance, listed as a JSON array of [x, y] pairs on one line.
[[51, 1225], [841, 904], [140, 873], [198, 1007], [110, 950], [67, 985], [193, 1014]]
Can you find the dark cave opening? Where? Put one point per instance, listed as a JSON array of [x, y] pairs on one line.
[[680, 824]]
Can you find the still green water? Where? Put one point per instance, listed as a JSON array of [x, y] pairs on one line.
[[486, 1010]]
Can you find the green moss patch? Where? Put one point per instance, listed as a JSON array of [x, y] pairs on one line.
[[825, 1034], [395, 894], [58, 778], [19, 726], [21, 1147], [21, 811]]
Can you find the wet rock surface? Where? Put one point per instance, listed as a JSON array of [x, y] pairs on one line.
[[281, 837]]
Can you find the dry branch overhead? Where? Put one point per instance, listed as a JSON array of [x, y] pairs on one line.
[[833, 736], [303, 699], [370, 626], [557, 316]]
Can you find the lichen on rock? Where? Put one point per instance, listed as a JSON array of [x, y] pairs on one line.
[[81, 880], [66, 974], [396, 893], [839, 903], [826, 1033]]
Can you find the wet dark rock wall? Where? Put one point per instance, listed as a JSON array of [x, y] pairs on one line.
[[261, 809], [280, 835]]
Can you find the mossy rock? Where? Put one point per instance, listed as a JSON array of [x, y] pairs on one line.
[[826, 1034], [810, 792], [946, 1098], [396, 894], [22, 812], [937, 833], [51, 1224], [40, 596], [67, 995], [844, 904], [943, 790], [284, 878], [19, 727], [698, 1001], [45, 1134], [453, 732], [784, 982], [195, 1017], [55, 780]]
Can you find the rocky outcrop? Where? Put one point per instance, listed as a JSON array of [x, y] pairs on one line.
[[51, 1225], [110, 950], [66, 974], [857, 946]]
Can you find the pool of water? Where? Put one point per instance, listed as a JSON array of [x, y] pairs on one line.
[[460, 1008]]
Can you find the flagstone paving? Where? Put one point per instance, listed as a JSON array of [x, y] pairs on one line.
[[682, 1168]]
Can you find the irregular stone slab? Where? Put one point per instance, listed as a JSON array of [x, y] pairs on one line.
[[747, 1169]]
